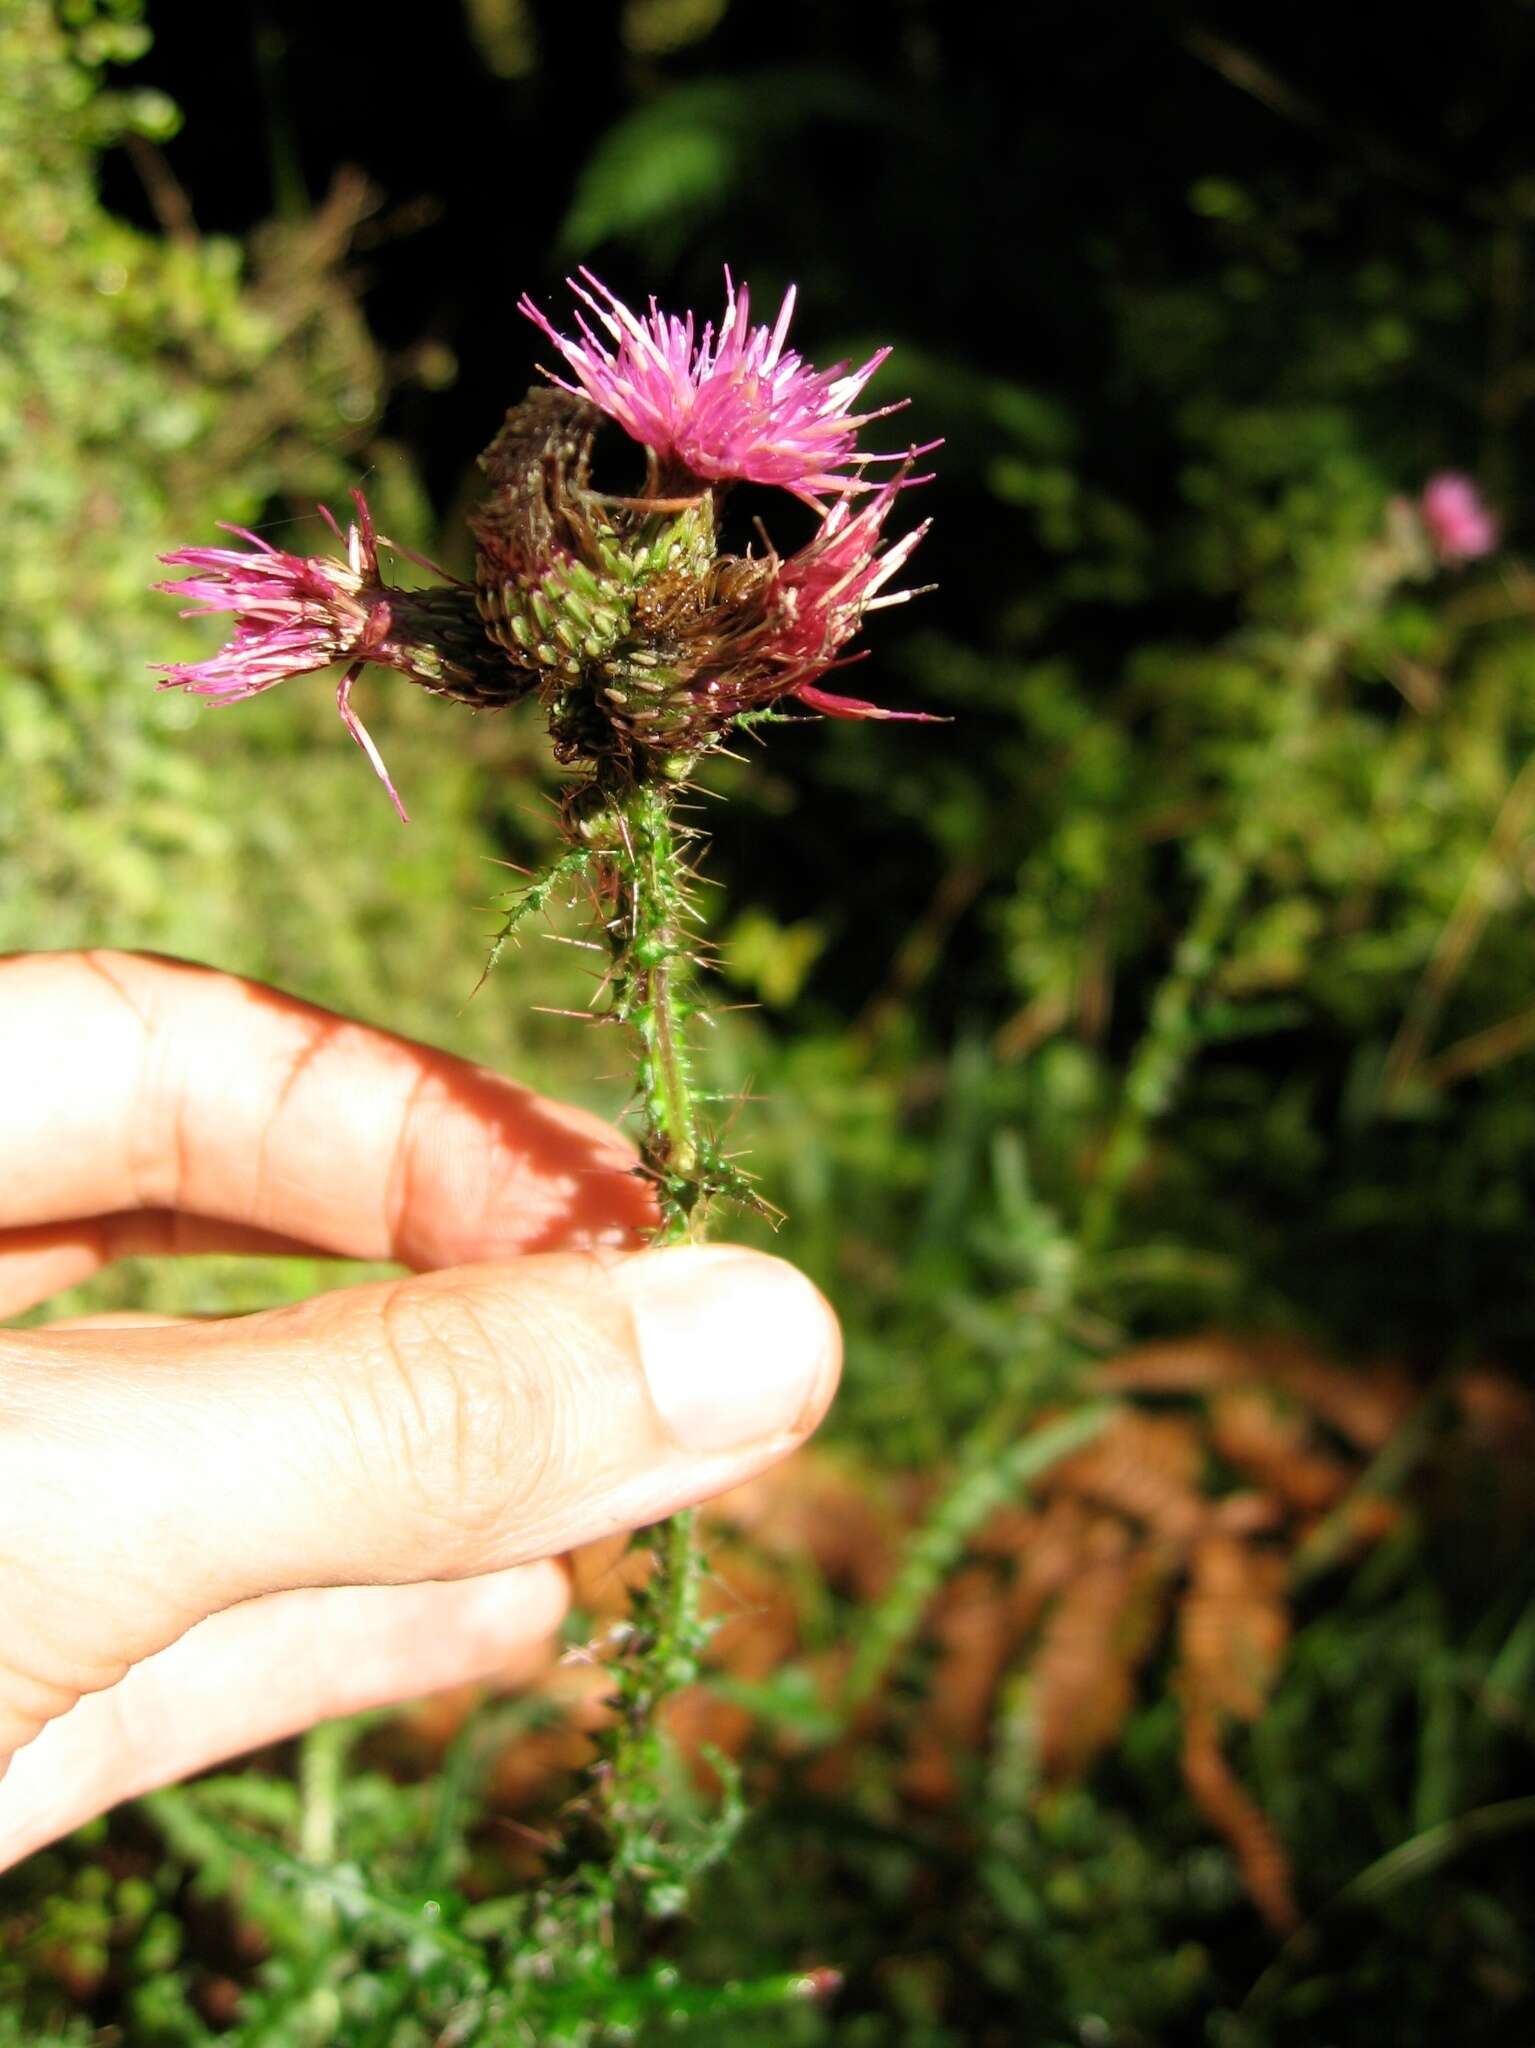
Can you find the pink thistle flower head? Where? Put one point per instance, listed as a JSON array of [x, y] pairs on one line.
[[1457, 519], [729, 405], [645, 638], [294, 614], [824, 591]]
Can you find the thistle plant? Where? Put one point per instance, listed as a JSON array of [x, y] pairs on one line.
[[645, 642], [603, 589]]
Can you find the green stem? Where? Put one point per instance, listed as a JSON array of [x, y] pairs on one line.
[[1158, 1063], [677, 1126], [646, 878], [669, 1639], [322, 1767], [989, 1472], [322, 1756], [651, 979]]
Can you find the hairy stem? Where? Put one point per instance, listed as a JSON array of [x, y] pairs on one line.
[[644, 883], [666, 1051], [666, 1640], [651, 976]]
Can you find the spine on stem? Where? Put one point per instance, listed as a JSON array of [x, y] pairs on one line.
[[653, 965], [642, 876]]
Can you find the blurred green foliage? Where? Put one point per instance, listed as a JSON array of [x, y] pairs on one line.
[[1190, 314], [153, 381]]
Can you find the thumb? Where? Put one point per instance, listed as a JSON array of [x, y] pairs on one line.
[[431, 1428]]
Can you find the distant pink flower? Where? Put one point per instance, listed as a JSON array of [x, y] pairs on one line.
[[728, 405], [297, 613], [1458, 521], [825, 589]]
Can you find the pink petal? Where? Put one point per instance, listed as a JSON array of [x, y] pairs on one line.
[[833, 706]]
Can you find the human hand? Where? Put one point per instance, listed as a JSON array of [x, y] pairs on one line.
[[213, 1534]]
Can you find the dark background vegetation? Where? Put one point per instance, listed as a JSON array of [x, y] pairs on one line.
[[1192, 297]]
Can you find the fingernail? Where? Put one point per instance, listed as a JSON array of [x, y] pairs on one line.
[[737, 1347]]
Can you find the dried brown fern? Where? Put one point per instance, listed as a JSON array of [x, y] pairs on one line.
[[1091, 1648], [1364, 1404], [1233, 1627], [970, 1627], [1135, 1527], [1147, 1468], [1236, 1815], [1266, 1438], [820, 1507]]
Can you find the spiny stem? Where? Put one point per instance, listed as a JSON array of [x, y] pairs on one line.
[[651, 991], [651, 964], [535, 897], [668, 1637], [634, 852], [664, 1643], [671, 1071]]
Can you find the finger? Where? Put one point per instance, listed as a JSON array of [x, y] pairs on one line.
[[41, 1261], [121, 1319], [189, 1090], [265, 1670], [431, 1428]]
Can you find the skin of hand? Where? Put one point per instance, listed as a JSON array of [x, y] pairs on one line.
[[213, 1534]]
